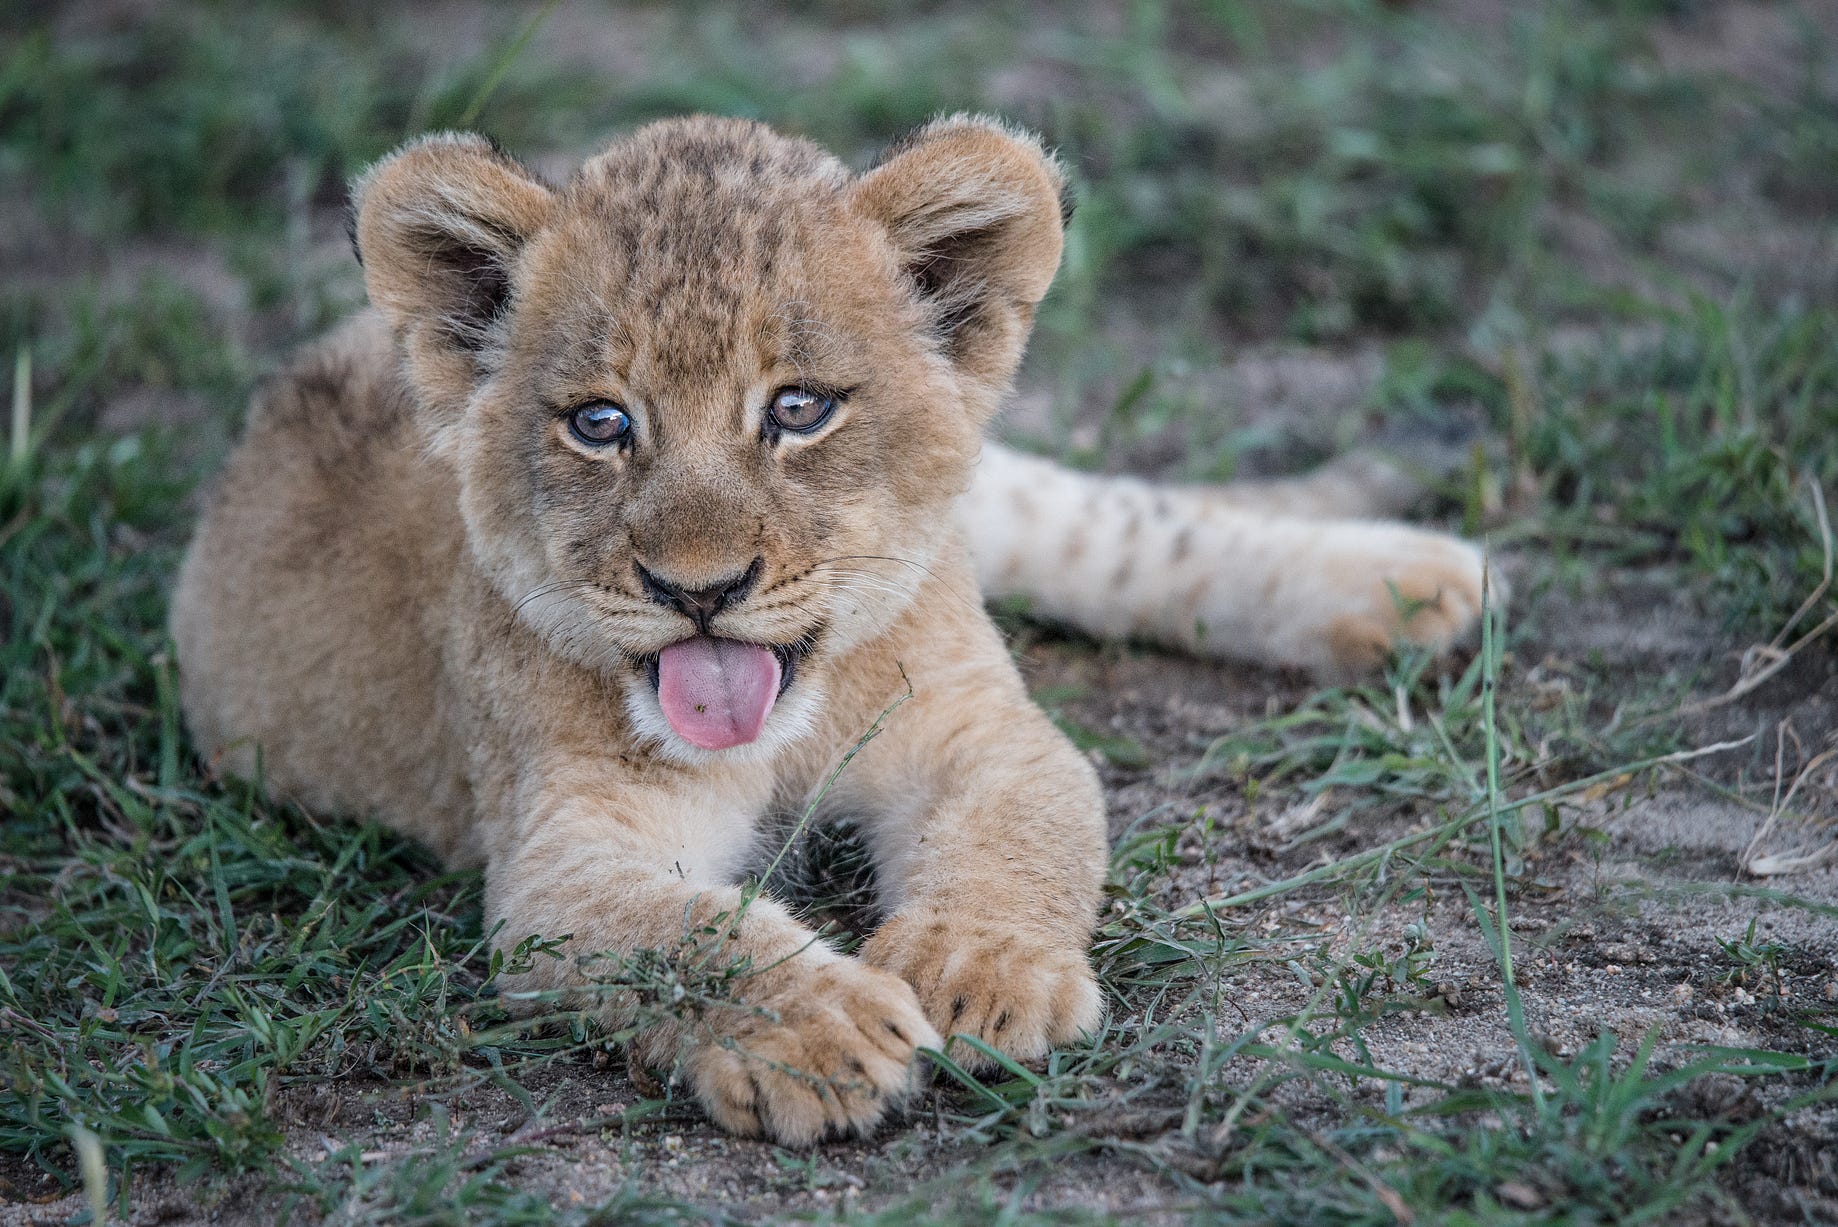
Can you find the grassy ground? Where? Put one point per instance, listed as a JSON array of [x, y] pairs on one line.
[[1596, 234]]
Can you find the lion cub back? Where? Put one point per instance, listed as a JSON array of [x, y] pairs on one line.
[[303, 609]]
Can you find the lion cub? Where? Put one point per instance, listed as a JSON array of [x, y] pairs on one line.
[[631, 506]]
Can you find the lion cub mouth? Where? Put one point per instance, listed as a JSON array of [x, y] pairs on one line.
[[717, 693]]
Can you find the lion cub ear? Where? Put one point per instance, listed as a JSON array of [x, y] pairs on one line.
[[975, 211], [439, 226]]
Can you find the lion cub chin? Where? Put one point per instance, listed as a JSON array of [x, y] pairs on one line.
[[634, 503]]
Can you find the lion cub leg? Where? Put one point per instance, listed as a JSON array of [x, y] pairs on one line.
[[1249, 573], [990, 873], [793, 1040]]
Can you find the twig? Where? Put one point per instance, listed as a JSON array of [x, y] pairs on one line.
[[1400, 1212], [1773, 653], [1825, 581], [529, 1136], [1786, 862]]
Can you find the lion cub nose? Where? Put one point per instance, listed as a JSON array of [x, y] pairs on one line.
[[699, 605]]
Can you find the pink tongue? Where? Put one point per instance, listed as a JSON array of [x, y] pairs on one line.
[[717, 693]]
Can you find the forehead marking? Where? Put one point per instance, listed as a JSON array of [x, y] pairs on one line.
[[699, 229]]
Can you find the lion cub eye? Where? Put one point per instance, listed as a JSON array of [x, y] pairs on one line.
[[600, 423], [800, 410]]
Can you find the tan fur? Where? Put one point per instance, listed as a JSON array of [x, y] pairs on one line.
[[1278, 573], [414, 596]]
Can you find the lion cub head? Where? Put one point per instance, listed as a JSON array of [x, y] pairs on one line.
[[709, 402]]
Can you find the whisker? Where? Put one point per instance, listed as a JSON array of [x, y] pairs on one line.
[[861, 580], [879, 584], [584, 634], [917, 566], [542, 590]]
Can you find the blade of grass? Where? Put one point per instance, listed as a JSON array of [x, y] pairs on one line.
[[1490, 685], [1447, 830], [511, 52], [22, 407]]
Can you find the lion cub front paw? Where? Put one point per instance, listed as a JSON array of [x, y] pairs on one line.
[[1015, 990], [1416, 587], [830, 1051]]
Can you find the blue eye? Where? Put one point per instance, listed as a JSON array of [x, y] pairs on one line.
[[800, 410], [600, 423]]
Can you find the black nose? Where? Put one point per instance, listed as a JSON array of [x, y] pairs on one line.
[[699, 605]]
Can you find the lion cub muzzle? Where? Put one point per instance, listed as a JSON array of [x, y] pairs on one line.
[[715, 691]]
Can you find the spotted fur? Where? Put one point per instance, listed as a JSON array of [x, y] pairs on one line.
[[1294, 574], [416, 597]]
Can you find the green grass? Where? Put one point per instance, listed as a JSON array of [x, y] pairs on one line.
[[184, 964]]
